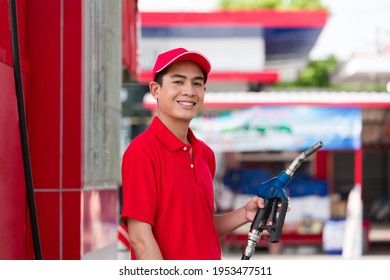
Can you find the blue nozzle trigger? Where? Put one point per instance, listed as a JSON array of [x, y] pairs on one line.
[[274, 188]]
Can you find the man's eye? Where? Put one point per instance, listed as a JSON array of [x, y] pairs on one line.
[[178, 82], [198, 84]]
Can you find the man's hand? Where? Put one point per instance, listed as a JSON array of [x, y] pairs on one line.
[[252, 206]]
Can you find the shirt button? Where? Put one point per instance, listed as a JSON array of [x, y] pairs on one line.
[[185, 148], [192, 166]]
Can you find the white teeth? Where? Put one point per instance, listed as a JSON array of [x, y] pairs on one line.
[[187, 103]]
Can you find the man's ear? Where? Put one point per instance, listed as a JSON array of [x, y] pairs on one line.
[[154, 89]]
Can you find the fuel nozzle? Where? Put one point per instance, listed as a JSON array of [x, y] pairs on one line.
[[271, 217]]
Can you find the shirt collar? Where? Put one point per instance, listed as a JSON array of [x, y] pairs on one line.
[[168, 139]]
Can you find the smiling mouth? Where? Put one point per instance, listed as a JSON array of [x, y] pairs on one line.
[[187, 103]]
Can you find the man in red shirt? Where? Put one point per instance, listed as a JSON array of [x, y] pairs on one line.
[[167, 173]]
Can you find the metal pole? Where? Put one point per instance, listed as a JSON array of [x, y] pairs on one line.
[[23, 128]]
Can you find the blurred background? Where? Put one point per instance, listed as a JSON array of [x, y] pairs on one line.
[[285, 75]]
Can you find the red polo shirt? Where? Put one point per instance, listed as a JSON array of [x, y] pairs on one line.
[[165, 187]]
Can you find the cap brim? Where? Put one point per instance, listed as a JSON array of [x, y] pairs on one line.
[[193, 56]]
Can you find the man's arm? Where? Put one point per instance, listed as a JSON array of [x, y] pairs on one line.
[[226, 223], [142, 240]]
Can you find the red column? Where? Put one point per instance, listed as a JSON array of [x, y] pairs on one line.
[[359, 169], [54, 115], [321, 165], [15, 237]]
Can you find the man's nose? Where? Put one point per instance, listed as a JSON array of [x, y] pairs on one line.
[[188, 89]]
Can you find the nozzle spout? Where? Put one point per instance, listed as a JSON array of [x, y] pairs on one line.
[[313, 149], [302, 156]]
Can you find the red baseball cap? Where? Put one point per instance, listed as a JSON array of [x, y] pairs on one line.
[[180, 54]]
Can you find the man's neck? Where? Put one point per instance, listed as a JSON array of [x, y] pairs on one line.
[[178, 128]]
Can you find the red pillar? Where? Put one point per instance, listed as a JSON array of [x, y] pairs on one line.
[[54, 115], [15, 230], [359, 169], [321, 165]]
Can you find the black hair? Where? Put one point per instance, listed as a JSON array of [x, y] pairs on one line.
[[159, 76]]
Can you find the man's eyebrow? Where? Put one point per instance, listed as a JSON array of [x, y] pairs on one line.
[[178, 76], [185, 77]]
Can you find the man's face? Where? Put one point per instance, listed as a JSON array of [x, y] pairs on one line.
[[182, 92]]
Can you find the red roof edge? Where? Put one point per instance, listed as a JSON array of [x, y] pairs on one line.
[[263, 17]]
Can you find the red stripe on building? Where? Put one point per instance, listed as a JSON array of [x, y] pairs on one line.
[[266, 18]]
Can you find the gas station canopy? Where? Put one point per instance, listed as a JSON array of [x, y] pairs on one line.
[[350, 119], [263, 46]]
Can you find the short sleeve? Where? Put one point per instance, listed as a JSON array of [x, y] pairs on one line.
[[138, 185]]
